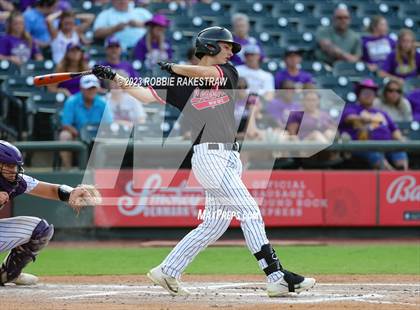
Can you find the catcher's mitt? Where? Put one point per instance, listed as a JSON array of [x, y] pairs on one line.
[[84, 195]]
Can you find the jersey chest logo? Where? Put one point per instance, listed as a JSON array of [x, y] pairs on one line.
[[208, 98]]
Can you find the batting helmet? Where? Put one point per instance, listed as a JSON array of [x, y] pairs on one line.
[[206, 41], [10, 154]]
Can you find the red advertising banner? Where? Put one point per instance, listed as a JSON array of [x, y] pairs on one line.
[[291, 198], [399, 195], [351, 197], [148, 205]]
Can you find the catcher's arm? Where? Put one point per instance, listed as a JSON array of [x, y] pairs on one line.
[[77, 197]]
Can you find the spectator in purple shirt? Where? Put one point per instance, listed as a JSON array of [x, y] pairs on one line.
[[364, 122], [404, 62], [113, 58], [73, 61], [17, 45], [240, 25], [154, 47], [414, 98], [317, 126], [283, 103], [377, 45], [293, 59]]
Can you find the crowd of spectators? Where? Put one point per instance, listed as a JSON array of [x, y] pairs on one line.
[[127, 31]]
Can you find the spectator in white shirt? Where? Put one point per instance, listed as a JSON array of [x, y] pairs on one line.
[[258, 80], [124, 21]]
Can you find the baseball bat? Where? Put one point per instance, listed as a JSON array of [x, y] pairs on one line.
[[42, 80]]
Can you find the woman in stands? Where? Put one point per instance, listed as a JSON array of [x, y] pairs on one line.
[[318, 126], [377, 45], [404, 62], [17, 45], [154, 46], [393, 102], [362, 121], [74, 61], [68, 31]]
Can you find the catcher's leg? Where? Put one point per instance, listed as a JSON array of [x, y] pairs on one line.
[[23, 254]]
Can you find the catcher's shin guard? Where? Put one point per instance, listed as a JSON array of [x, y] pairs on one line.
[[22, 255]]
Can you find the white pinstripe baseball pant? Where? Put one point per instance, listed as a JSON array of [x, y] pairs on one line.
[[219, 172], [15, 231]]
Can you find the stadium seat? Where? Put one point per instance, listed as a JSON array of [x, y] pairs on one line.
[[8, 69], [271, 24], [167, 8], [411, 83], [308, 23], [351, 70], [368, 9], [184, 23], [207, 9], [303, 40], [253, 10], [290, 10], [358, 24], [34, 67], [222, 21], [273, 52], [96, 52], [272, 65], [19, 86], [314, 67], [340, 85], [408, 9], [44, 116]]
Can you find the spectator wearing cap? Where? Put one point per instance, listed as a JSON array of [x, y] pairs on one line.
[[67, 31], [113, 58], [362, 121], [404, 62], [73, 61], [338, 42], [377, 45], [154, 46], [259, 81], [83, 108], [292, 72], [36, 21], [240, 24], [393, 102], [17, 44], [124, 21]]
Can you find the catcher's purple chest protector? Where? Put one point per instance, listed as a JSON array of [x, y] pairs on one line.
[[13, 189]]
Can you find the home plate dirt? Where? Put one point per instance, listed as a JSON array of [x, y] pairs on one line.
[[135, 292]]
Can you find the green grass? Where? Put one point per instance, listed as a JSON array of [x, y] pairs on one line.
[[333, 259]]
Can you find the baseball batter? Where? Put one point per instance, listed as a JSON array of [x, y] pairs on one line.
[[26, 236], [215, 162]]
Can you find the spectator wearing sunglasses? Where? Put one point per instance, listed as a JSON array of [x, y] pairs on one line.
[[393, 102], [338, 42]]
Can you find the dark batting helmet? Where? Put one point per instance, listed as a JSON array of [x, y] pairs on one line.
[[206, 41]]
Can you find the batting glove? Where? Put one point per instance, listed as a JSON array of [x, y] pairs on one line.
[[103, 72], [167, 66]]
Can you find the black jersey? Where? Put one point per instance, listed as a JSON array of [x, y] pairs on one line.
[[209, 110]]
